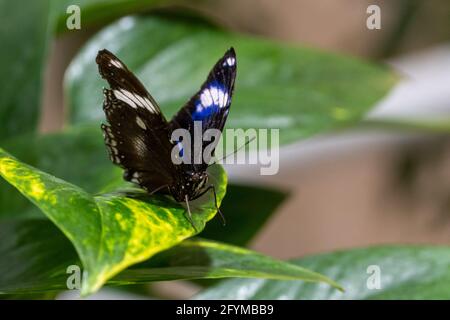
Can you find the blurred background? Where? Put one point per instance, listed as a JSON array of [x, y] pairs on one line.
[[355, 188]]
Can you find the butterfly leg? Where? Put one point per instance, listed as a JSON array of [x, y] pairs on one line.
[[213, 188], [189, 213], [158, 189], [224, 222]]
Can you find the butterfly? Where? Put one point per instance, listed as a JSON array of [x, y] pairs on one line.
[[138, 136]]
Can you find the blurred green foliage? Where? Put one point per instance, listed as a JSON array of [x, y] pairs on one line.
[[302, 91]]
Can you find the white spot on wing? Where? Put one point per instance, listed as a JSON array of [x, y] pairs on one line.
[[205, 98], [150, 105], [213, 96], [135, 100], [145, 102], [231, 61], [225, 100], [132, 97], [140, 123], [119, 95], [117, 64]]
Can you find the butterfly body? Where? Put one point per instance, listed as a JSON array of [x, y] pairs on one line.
[[138, 137]]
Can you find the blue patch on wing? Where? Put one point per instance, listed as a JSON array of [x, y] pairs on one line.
[[211, 99], [180, 148], [202, 113]]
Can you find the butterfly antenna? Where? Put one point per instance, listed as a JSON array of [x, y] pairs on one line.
[[190, 214], [234, 151], [222, 217]]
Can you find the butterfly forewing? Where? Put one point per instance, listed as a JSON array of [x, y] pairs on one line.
[[137, 134], [138, 137], [210, 104]]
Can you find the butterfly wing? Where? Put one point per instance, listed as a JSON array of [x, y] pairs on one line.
[[137, 134], [210, 104]]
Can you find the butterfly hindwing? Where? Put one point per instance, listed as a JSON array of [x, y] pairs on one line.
[[137, 134], [211, 103]]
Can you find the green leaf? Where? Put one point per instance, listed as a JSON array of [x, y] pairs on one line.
[[111, 231], [301, 91], [77, 155], [416, 272], [24, 35], [35, 257], [98, 12], [205, 259], [244, 203]]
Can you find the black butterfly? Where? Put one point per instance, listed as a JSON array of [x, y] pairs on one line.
[[138, 135]]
